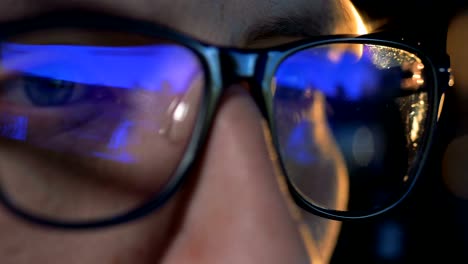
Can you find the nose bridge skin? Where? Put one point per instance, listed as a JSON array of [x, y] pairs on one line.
[[236, 212]]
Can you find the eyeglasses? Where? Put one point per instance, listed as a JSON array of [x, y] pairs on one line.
[[102, 117]]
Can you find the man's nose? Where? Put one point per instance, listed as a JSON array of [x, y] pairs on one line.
[[236, 212]]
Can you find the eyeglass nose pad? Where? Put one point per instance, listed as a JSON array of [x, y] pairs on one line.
[[178, 121]]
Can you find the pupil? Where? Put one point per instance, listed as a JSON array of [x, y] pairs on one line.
[[48, 92]]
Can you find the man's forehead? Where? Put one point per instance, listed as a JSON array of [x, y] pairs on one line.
[[227, 22]]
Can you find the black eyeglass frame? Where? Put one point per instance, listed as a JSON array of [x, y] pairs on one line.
[[224, 66]]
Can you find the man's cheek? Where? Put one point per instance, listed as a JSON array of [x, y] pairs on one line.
[[455, 167], [455, 161], [457, 41]]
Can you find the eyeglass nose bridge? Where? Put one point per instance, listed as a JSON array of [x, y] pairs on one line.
[[241, 64], [246, 67]]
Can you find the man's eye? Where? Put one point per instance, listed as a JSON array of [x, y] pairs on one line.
[[42, 92], [47, 92]]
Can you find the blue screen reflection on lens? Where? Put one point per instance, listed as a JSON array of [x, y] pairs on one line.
[[13, 127], [118, 67], [349, 76], [66, 76]]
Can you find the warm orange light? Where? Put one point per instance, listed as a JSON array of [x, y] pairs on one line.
[[441, 106], [359, 28], [360, 25]]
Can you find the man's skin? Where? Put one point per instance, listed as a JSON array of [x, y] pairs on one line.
[[455, 159], [249, 222]]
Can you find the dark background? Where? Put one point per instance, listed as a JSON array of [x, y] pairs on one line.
[[431, 226]]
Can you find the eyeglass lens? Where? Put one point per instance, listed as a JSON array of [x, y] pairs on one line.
[[93, 124], [352, 112]]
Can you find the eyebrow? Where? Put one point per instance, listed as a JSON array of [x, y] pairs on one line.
[[283, 26], [304, 24]]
